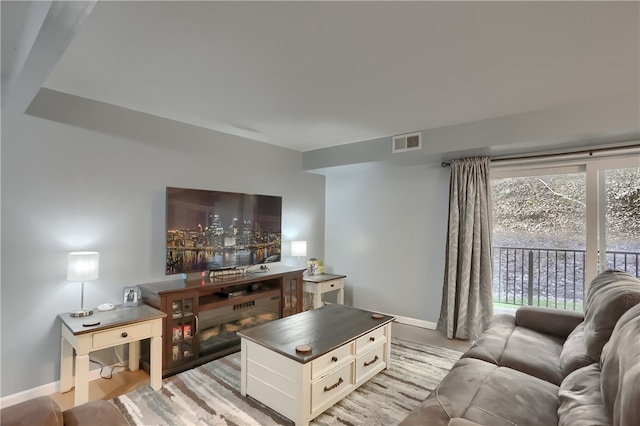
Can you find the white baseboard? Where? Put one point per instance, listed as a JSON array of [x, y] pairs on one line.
[[50, 388], [408, 320], [414, 322]]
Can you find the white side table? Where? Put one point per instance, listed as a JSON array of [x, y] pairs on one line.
[[116, 327], [320, 284]]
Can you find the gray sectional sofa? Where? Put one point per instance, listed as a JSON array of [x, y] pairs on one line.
[[44, 411], [549, 367]]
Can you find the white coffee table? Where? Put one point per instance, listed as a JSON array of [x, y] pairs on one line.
[[348, 347]]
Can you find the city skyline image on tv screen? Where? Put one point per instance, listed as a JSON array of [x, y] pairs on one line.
[[212, 230]]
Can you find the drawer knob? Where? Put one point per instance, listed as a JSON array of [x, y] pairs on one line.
[[333, 386], [124, 334], [332, 285], [372, 339], [334, 359]]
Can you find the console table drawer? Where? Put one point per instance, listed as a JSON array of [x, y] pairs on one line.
[[369, 363], [331, 360], [331, 388], [122, 335], [371, 339]]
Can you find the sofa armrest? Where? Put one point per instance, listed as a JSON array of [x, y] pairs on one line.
[[42, 411], [94, 413], [548, 320]]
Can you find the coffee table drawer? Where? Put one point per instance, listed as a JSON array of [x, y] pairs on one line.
[[331, 388], [331, 360], [371, 339], [369, 363], [122, 335]]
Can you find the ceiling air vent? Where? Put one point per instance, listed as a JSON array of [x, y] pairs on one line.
[[408, 142]]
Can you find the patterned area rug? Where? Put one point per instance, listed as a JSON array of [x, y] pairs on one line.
[[210, 393]]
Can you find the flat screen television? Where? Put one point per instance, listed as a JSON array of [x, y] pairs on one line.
[[212, 230]]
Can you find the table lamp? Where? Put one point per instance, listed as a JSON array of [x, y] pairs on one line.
[[298, 248], [82, 266]]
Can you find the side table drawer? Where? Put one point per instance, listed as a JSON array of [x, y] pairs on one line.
[[331, 360], [371, 339], [331, 387], [369, 363], [331, 285], [122, 335]]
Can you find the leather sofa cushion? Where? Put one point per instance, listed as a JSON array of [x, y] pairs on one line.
[[41, 411], [486, 394], [602, 280], [507, 345], [44, 411], [620, 363], [580, 400], [534, 353], [612, 295], [94, 413], [462, 422], [490, 346], [574, 352], [432, 411]]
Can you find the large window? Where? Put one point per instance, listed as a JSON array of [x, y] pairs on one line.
[[556, 226]]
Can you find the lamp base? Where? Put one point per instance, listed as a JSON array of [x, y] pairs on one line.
[[81, 313]]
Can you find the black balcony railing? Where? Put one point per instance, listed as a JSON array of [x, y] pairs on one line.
[[548, 277]]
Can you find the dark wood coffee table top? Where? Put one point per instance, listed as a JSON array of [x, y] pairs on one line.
[[324, 329]]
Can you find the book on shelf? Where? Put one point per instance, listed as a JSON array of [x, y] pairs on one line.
[[177, 333]]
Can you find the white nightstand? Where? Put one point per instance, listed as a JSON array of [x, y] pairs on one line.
[[320, 284], [119, 326]]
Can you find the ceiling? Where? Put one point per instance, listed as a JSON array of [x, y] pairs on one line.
[[308, 75]]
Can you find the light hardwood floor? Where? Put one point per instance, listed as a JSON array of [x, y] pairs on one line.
[[121, 383], [431, 337], [126, 381]]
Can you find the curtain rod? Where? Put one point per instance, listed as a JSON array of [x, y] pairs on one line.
[[556, 154]]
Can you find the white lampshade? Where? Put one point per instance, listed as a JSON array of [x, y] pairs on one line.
[[298, 248], [83, 266]]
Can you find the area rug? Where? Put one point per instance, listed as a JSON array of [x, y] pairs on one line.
[[210, 394]]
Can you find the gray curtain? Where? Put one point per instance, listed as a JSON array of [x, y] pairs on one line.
[[467, 300]]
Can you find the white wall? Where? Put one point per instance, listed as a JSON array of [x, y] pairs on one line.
[[65, 188], [592, 123], [386, 214], [386, 230]]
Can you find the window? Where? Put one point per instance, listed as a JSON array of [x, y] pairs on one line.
[[557, 225], [619, 238]]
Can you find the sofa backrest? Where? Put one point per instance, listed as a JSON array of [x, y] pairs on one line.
[[620, 377], [611, 294]]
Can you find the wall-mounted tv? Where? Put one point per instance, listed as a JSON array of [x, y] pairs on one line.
[[212, 230]]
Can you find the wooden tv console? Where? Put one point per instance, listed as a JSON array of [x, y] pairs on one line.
[[203, 315]]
